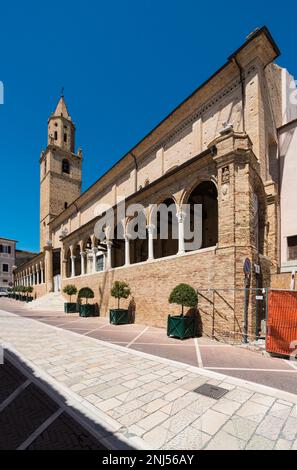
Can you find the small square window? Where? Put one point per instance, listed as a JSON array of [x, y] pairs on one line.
[[292, 248], [5, 268]]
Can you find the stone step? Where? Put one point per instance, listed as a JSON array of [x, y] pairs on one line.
[[53, 301]]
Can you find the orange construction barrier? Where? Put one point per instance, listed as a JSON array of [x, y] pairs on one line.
[[281, 334]]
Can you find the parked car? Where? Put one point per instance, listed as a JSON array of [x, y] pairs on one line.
[[3, 292]]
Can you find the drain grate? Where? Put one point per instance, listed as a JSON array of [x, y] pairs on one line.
[[211, 391]]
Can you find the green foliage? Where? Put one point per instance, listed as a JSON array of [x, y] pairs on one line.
[[9, 289], [70, 290], [120, 290], [183, 295], [85, 293], [29, 289]]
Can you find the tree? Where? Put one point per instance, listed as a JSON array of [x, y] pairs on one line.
[[120, 290], [29, 290], [70, 290], [183, 295], [85, 293]]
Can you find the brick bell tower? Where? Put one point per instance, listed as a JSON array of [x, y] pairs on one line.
[[60, 169]]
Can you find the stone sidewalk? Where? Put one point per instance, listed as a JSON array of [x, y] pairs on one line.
[[143, 401]]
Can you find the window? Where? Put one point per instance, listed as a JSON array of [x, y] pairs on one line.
[[65, 166], [65, 205], [5, 249], [56, 135], [5, 268], [100, 263], [65, 137], [292, 248]]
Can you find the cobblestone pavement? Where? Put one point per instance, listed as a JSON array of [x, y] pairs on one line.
[[149, 402], [203, 352], [30, 419]]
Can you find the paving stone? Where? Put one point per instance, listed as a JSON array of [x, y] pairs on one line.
[[133, 417], [158, 437], [258, 442], [210, 422], [109, 404], [226, 406], [188, 439], [176, 393], [154, 405], [253, 411], [283, 444], [270, 427], [152, 420], [224, 441], [241, 428], [237, 394], [179, 421], [263, 399], [289, 430], [280, 410]]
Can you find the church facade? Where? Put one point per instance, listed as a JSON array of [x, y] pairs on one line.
[[219, 148]]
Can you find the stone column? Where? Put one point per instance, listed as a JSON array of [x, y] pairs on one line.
[[127, 250], [49, 268], [181, 232], [94, 264], [37, 274], [82, 261], [150, 230], [108, 256], [72, 266], [41, 273]]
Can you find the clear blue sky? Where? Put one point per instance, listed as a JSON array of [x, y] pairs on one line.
[[124, 66]]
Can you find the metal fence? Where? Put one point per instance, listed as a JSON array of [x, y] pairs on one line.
[[233, 315]]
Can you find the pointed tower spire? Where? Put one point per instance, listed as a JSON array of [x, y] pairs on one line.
[[61, 109]]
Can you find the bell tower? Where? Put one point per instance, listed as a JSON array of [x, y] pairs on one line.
[[60, 169]]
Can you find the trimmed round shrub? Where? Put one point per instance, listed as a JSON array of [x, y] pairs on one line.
[[120, 290], [184, 295], [86, 293], [70, 290]]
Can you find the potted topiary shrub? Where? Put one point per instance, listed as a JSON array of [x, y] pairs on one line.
[[23, 293], [70, 307], [9, 292], [181, 326], [29, 290], [119, 316], [87, 310]]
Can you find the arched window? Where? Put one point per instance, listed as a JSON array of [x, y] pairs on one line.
[[65, 166], [205, 194]]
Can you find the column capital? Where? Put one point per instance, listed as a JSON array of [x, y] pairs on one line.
[[181, 215]]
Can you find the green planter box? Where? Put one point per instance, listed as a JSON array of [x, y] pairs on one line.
[[17, 297], [23, 298], [181, 327], [119, 316], [29, 298], [70, 307], [88, 310]]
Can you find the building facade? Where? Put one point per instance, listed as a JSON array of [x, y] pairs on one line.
[[7, 262], [219, 148]]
